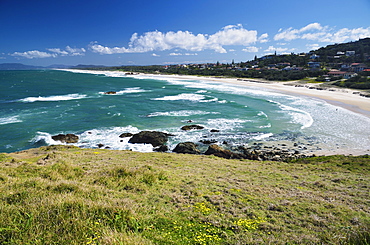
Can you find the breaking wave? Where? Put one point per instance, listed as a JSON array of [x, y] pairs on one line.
[[54, 98], [8, 120]]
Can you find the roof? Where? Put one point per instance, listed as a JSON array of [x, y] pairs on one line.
[[336, 72]]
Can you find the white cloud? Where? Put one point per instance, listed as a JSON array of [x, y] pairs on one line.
[[346, 34], [58, 51], [250, 49], [263, 38], [53, 52], [312, 26], [156, 40], [313, 46], [288, 35], [278, 49], [34, 54], [155, 55], [180, 54], [75, 51], [316, 32]]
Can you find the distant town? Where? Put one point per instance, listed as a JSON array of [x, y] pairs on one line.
[[345, 65]]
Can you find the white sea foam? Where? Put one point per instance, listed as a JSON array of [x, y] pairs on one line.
[[226, 124], [191, 97], [298, 116], [262, 136], [128, 91], [261, 113], [183, 113], [11, 119], [265, 126], [54, 98], [109, 137], [46, 137]]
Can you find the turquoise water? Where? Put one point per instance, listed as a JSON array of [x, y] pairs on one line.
[[34, 105]]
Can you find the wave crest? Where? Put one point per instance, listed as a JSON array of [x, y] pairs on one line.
[[54, 98]]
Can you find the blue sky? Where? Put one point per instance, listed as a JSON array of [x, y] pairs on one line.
[[143, 32]]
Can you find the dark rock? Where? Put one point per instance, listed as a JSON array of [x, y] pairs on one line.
[[66, 138], [100, 145], [161, 148], [110, 92], [215, 130], [187, 148], [150, 137], [221, 152], [207, 142], [124, 135], [190, 127]]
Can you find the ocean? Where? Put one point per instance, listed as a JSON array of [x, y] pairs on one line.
[[37, 104]]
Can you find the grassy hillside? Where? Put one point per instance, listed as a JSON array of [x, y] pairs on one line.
[[68, 195]]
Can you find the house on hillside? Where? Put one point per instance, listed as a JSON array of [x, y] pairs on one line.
[[314, 65], [314, 56], [357, 67], [349, 75], [350, 53], [343, 74]]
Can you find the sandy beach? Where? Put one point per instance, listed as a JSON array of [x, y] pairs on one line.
[[345, 98]]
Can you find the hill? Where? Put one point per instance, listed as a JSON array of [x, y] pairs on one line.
[[18, 66], [68, 195]]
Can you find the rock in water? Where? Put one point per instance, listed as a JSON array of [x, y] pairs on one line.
[[124, 135], [150, 137], [110, 92], [190, 127], [187, 148], [65, 138]]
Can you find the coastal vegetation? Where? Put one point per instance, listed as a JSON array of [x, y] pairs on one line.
[[351, 60], [69, 195]]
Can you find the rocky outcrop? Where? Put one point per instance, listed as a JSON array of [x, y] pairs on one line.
[[124, 135], [161, 148], [221, 152], [208, 142], [186, 148], [65, 138], [110, 92], [257, 153], [191, 127], [150, 137]]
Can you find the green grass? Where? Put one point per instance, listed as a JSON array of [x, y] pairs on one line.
[[68, 195]]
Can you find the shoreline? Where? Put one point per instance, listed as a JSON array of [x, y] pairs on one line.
[[346, 98], [343, 98]]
